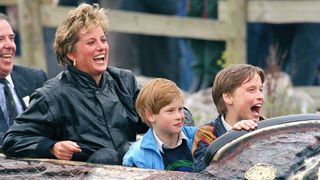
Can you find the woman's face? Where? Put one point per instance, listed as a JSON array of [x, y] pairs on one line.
[[91, 52]]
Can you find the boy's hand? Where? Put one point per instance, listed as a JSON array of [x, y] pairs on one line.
[[245, 124]]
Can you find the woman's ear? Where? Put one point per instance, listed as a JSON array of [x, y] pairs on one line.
[[227, 98], [71, 56]]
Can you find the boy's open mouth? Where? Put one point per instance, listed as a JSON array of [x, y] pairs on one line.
[[256, 109]]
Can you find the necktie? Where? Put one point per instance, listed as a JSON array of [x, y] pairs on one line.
[[11, 106]]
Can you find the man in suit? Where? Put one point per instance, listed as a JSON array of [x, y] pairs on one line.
[[18, 82]]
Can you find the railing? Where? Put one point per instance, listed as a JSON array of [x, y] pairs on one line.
[[231, 26]]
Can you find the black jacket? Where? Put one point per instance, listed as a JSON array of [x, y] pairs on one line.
[[71, 107]]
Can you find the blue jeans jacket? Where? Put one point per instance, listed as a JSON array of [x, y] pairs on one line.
[[146, 154]]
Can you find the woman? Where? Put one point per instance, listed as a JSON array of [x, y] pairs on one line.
[[87, 112]]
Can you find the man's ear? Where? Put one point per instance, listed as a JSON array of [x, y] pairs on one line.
[[227, 98]]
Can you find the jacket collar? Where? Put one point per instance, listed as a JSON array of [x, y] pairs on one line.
[[219, 128], [83, 79], [149, 141], [161, 144]]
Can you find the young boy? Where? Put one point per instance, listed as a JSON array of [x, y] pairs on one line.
[[167, 144], [237, 94]]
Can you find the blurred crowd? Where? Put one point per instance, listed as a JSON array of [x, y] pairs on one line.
[[192, 63]]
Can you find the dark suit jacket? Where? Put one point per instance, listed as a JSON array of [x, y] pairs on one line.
[[25, 80]]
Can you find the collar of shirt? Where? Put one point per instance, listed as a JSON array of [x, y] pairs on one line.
[[162, 145], [9, 79], [14, 94], [225, 124]]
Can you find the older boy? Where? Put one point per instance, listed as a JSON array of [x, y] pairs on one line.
[[237, 94], [167, 144]]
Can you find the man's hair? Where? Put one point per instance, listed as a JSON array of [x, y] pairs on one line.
[[229, 79], [66, 37], [156, 94], [4, 17]]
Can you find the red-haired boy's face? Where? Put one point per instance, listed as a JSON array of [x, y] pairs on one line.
[[170, 120]]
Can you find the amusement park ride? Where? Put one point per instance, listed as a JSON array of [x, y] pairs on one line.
[[286, 147]]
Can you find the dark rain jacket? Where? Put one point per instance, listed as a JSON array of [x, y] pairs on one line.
[[71, 107]]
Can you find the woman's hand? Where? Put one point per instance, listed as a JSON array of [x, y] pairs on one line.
[[245, 124], [65, 149]]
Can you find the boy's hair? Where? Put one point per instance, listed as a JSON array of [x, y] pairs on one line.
[[154, 95], [229, 79]]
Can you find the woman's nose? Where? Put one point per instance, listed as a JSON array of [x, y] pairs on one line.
[[103, 45]]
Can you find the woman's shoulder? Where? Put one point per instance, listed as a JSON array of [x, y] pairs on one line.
[[119, 71], [122, 77], [53, 85]]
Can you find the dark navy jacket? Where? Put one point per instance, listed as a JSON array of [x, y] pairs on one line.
[[25, 80]]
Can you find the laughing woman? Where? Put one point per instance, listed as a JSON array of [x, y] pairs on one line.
[[87, 112]]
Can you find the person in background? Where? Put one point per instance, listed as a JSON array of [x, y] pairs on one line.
[[237, 94], [187, 56], [206, 53], [85, 113], [287, 42], [16, 82], [167, 144], [158, 56]]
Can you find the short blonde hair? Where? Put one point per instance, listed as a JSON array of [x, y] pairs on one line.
[[156, 94], [66, 36]]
